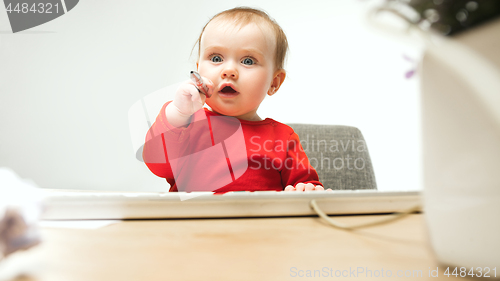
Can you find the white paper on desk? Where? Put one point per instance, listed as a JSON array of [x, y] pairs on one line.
[[77, 224], [20, 209]]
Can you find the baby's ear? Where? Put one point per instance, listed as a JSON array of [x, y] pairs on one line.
[[279, 77]]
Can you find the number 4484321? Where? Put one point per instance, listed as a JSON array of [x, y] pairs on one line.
[[472, 272], [40, 8]]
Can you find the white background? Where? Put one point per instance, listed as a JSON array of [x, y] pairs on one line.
[[66, 86]]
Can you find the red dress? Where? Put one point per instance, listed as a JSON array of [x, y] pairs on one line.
[[220, 153]]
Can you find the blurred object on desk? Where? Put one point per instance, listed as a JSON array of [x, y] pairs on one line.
[[461, 144], [20, 209], [460, 102]]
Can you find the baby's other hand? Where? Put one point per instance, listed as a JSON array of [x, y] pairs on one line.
[[305, 187]]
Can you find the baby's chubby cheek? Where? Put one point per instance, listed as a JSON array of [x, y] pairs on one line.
[[211, 101]]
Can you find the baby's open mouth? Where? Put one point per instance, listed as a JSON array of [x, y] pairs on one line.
[[228, 90]]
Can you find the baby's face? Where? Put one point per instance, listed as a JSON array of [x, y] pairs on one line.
[[240, 63]]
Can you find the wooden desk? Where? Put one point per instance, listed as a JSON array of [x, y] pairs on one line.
[[233, 249]]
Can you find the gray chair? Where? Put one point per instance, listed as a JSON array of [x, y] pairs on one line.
[[339, 154]]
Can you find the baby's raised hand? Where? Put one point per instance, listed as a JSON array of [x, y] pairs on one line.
[[187, 101], [305, 187]]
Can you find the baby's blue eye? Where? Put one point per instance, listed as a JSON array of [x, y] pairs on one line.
[[216, 59], [248, 61]]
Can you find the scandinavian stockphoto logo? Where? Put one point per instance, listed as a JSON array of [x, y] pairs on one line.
[[26, 14], [213, 151], [322, 154]]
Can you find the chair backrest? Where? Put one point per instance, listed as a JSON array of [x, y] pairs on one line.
[[339, 154]]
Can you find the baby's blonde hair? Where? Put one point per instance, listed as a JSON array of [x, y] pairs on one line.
[[242, 16]]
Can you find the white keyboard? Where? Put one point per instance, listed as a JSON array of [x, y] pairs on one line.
[[66, 204]]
